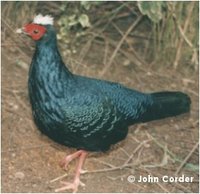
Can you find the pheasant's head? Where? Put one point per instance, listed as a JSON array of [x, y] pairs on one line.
[[38, 28]]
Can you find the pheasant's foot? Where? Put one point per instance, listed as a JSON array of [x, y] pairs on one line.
[[74, 185], [70, 186]]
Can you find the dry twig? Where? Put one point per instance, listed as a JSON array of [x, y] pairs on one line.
[[187, 21], [121, 167], [120, 44], [187, 158], [139, 58], [136, 149]]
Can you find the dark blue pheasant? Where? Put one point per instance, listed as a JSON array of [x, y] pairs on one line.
[[85, 113]]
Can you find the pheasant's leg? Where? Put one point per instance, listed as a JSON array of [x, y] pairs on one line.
[[64, 163], [74, 185]]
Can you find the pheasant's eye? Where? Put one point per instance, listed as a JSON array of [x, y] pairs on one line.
[[35, 31]]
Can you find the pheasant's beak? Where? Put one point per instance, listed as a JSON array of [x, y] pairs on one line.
[[21, 31]]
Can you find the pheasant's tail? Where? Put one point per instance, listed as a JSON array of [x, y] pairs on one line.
[[167, 104]]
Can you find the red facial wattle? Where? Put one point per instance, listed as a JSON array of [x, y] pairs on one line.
[[35, 31]]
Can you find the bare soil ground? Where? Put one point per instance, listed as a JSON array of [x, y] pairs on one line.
[[30, 160]]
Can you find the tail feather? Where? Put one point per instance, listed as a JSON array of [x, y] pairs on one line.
[[167, 104]]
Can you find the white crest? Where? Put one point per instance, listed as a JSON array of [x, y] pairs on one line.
[[44, 20]]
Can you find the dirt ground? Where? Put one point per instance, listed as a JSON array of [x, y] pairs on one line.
[[30, 161]]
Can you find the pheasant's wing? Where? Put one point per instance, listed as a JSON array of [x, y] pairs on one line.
[[90, 117], [130, 103]]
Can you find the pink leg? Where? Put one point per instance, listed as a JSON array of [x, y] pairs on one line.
[[64, 163], [74, 185]]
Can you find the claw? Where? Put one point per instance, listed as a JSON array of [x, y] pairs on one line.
[[70, 186]]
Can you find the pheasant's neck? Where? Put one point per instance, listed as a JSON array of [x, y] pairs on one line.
[[48, 75], [47, 60]]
